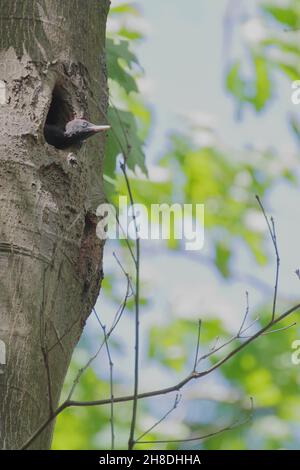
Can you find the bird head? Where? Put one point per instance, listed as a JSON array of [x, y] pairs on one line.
[[82, 129]]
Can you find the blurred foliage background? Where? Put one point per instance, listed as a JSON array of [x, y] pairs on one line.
[[197, 165]]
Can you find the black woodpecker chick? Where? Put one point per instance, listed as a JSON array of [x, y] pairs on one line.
[[74, 134]]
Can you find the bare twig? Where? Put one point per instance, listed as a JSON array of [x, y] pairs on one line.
[[176, 403], [230, 427], [284, 328], [251, 324], [59, 341], [272, 231], [246, 315], [49, 382], [197, 346], [124, 271], [111, 382], [239, 334], [126, 239], [43, 339], [277, 330], [68, 330], [137, 311]]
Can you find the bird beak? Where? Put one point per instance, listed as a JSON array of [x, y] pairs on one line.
[[93, 128]]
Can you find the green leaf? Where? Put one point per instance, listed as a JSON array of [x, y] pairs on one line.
[[222, 258], [130, 35], [234, 82], [257, 92], [119, 64], [284, 14], [263, 83], [123, 140], [125, 8]]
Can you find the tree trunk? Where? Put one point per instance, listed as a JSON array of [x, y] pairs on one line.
[[52, 68]]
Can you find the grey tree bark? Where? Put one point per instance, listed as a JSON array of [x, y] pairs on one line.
[[52, 67]]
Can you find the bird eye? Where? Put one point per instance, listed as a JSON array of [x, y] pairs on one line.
[[84, 124]]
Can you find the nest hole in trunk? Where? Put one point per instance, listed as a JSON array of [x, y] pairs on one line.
[[60, 112]]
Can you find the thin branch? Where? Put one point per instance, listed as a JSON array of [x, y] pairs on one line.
[[49, 382], [58, 339], [46, 423], [246, 315], [176, 403], [277, 269], [230, 427], [216, 349], [68, 330], [250, 324], [216, 342], [126, 239], [239, 334], [198, 345], [124, 271], [111, 382], [43, 339], [137, 312], [272, 231], [284, 328], [126, 152]]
